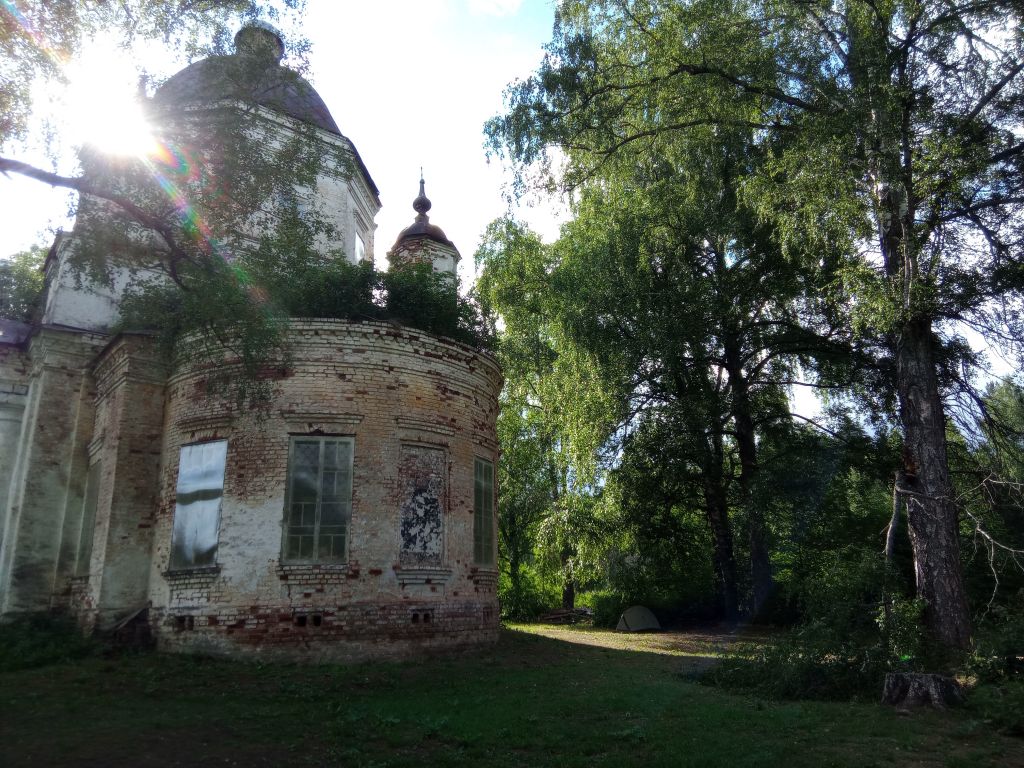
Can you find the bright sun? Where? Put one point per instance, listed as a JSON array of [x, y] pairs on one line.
[[101, 106]]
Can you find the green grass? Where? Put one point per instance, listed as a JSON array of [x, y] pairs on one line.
[[558, 697]]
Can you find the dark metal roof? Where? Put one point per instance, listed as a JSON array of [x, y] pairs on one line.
[[13, 331], [262, 81], [421, 227], [254, 74]]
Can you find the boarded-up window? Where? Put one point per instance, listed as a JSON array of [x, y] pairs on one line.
[[422, 472], [483, 512], [319, 502], [197, 511], [88, 530]]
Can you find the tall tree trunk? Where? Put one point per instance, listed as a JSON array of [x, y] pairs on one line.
[[890, 156], [931, 509], [746, 444], [515, 575], [569, 584], [716, 509]]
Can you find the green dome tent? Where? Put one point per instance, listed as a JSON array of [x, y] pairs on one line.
[[637, 618]]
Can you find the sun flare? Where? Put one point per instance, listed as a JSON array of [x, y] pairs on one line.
[[103, 108]]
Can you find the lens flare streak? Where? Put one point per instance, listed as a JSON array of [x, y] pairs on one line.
[[169, 161]]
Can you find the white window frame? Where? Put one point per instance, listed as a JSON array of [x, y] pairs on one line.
[[316, 559]]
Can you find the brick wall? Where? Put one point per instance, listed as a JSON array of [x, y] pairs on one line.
[[44, 500], [423, 250], [396, 393], [127, 443], [14, 387]]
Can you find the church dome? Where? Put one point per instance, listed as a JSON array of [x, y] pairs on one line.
[[252, 73]]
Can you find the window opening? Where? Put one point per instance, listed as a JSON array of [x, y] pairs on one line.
[[197, 507], [319, 502], [360, 248], [88, 530], [483, 512]]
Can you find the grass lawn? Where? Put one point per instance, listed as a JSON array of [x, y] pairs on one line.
[[542, 696]]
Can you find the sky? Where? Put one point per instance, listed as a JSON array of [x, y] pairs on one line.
[[411, 83]]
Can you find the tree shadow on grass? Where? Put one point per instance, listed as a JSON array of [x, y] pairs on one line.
[[541, 696]]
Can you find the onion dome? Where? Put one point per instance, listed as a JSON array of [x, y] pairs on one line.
[[252, 73], [421, 228]]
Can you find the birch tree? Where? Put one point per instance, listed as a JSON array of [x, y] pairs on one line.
[[894, 126]]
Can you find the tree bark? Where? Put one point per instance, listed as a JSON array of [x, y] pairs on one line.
[[894, 521], [746, 445], [931, 509], [515, 576], [716, 509], [708, 429], [568, 586], [906, 689]]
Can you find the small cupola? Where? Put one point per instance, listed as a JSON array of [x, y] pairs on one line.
[[423, 242], [260, 40]]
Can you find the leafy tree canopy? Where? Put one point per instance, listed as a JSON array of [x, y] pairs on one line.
[[21, 284], [889, 130]]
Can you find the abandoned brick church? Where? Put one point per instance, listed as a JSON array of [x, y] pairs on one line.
[[353, 519]]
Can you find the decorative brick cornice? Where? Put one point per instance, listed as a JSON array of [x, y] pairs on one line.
[[205, 423], [423, 425], [323, 421], [128, 357], [423, 575], [64, 349]]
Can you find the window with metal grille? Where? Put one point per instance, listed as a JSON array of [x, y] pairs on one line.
[[319, 500], [197, 507], [483, 512]]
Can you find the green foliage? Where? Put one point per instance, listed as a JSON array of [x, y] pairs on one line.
[[555, 415], [858, 627], [607, 607], [999, 646], [997, 662], [866, 157], [529, 597], [824, 493], [527, 493], [241, 309], [1000, 704], [661, 550], [421, 298], [21, 284], [215, 321], [36, 641]]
